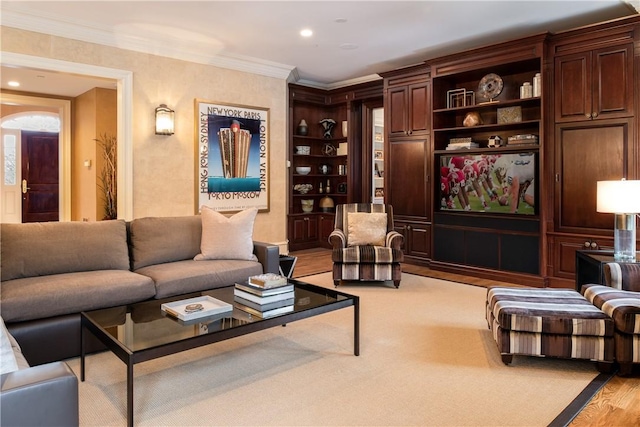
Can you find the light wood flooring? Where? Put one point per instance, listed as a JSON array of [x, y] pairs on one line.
[[616, 404]]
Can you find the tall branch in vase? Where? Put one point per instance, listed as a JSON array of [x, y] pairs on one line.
[[108, 175]]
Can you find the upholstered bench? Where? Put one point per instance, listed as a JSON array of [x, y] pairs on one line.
[[549, 323]]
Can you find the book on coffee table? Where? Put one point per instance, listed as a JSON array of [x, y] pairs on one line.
[[263, 299], [193, 308], [267, 313], [267, 280], [262, 292], [263, 307]]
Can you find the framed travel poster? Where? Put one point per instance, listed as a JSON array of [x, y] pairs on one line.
[[232, 157]]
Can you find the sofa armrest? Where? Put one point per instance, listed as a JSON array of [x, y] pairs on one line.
[[268, 255], [624, 276], [394, 240], [40, 395], [337, 239]]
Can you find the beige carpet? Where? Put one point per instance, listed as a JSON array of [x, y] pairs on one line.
[[427, 358]]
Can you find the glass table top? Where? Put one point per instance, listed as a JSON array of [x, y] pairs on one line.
[[145, 325]]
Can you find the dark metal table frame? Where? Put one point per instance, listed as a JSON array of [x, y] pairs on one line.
[[130, 358]]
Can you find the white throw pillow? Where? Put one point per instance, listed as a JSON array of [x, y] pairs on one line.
[[366, 228], [9, 363], [227, 237]]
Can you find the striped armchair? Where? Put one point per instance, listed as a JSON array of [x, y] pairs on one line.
[[366, 247], [620, 300]]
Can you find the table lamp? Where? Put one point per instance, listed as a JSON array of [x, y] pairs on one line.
[[621, 198]]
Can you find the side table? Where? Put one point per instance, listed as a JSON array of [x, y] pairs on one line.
[[590, 266]]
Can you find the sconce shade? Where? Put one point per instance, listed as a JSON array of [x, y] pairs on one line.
[[618, 196], [621, 198], [164, 120]]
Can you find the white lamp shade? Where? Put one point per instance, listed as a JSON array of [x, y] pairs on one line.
[[618, 196]]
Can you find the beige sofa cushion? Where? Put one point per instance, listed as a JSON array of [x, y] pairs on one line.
[[58, 294], [157, 240], [40, 249], [227, 237]]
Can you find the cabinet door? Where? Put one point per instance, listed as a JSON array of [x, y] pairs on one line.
[[419, 236], [584, 154], [409, 112], [595, 84], [408, 186], [326, 225], [573, 87], [303, 229], [397, 106], [564, 252], [612, 82], [419, 121]]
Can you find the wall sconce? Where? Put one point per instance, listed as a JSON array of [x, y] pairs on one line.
[[164, 120], [621, 198]]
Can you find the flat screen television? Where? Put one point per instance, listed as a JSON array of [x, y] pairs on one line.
[[492, 183]]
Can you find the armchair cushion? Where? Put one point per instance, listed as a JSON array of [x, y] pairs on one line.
[[366, 228], [367, 254], [622, 306]]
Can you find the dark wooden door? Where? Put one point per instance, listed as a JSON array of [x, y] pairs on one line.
[[40, 177], [419, 115], [408, 187], [587, 153], [398, 113], [573, 87]]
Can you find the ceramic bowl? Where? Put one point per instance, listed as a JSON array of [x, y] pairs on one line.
[[303, 149], [303, 170]]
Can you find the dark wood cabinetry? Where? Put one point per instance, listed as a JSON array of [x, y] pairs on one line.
[[334, 163], [594, 136], [407, 103], [594, 84], [478, 232]]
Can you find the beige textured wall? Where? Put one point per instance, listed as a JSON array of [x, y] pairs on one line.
[[164, 166]]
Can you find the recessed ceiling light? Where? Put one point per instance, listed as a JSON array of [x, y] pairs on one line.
[[348, 46], [341, 20], [13, 83], [306, 33]]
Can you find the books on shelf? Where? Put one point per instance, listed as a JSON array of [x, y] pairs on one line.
[[460, 145], [268, 280], [238, 292]]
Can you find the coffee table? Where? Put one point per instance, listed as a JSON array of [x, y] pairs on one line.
[[163, 335]]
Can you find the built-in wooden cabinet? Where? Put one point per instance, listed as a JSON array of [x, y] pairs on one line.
[[594, 137], [594, 84], [407, 104], [333, 160], [480, 222]]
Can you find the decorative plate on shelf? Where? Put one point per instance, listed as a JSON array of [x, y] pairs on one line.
[[490, 86]]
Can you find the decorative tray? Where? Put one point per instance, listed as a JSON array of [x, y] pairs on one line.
[[195, 308]]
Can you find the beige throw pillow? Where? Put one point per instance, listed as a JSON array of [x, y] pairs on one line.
[[227, 237], [366, 228]]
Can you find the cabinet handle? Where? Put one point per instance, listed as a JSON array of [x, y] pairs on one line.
[[586, 244], [410, 132], [557, 177], [588, 115], [594, 245], [306, 219], [594, 115]]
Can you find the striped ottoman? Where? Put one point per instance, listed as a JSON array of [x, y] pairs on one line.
[[549, 322]]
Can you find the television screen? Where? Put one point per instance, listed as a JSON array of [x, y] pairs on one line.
[[503, 183]]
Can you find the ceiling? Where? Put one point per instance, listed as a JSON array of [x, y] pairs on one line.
[[352, 40]]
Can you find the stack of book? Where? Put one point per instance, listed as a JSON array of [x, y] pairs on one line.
[[265, 295], [458, 143]]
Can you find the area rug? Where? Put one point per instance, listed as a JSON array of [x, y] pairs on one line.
[[426, 359]]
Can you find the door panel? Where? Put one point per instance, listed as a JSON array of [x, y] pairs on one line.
[[40, 175]]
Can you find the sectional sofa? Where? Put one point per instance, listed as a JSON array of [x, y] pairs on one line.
[[53, 271]]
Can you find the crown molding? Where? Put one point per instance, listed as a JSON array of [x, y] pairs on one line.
[[340, 84], [103, 35]]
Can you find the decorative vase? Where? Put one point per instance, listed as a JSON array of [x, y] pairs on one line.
[[303, 129], [307, 205], [345, 128], [327, 125], [326, 204], [325, 169]]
